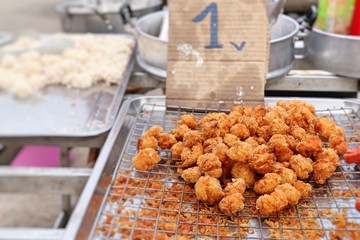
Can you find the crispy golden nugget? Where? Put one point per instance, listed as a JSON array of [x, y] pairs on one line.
[[166, 140], [243, 171], [210, 164], [323, 169], [267, 184], [302, 166], [154, 131], [232, 204], [146, 159], [238, 185], [208, 190], [189, 120], [191, 175], [147, 142]]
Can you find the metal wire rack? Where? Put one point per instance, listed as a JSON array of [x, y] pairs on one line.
[[158, 204]]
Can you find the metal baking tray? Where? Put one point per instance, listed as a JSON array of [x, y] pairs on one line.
[[104, 202], [63, 112]]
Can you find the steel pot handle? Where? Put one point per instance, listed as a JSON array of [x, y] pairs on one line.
[[126, 13], [306, 23]]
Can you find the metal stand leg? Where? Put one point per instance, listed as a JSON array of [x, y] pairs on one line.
[[66, 199]]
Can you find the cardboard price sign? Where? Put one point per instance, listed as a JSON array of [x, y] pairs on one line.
[[217, 54]]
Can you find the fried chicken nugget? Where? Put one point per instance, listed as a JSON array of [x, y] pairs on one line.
[[231, 140], [215, 125], [180, 131], [146, 159], [264, 132], [296, 103], [189, 120], [244, 110], [241, 152], [166, 140], [267, 184], [192, 138], [220, 151], [238, 185], [278, 126], [147, 142], [259, 113], [274, 113], [292, 194], [240, 130], [323, 169], [292, 142], [261, 149], [210, 164], [243, 171], [191, 175], [211, 143], [279, 145], [154, 131], [189, 156], [287, 175], [262, 163], [232, 204], [208, 190], [340, 132], [304, 188], [269, 204], [298, 133], [338, 143], [310, 146], [177, 149], [300, 116], [329, 154], [252, 141], [301, 165], [325, 127], [251, 124]]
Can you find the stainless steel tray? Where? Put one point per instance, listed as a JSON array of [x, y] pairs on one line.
[[63, 112], [94, 213]]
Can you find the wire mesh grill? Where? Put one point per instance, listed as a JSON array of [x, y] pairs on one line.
[[158, 204]]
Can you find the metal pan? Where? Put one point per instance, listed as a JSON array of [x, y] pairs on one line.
[[152, 55], [63, 112], [138, 114]]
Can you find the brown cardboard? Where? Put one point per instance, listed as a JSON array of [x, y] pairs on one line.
[[216, 78]]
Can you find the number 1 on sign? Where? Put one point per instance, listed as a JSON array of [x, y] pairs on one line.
[[213, 9]]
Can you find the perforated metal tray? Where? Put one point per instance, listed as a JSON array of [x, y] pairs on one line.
[[113, 207]]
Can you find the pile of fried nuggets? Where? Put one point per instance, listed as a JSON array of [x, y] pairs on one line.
[[264, 148]]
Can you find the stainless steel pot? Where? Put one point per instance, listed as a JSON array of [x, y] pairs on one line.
[[334, 53], [299, 5], [79, 18], [152, 56]]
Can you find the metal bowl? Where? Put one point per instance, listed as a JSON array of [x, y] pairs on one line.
[[152, 55], [334, 53]]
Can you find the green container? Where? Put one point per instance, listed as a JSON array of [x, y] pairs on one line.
[[335, 15]]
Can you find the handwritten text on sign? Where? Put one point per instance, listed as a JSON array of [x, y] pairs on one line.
[[213, 10], [204, 65]]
